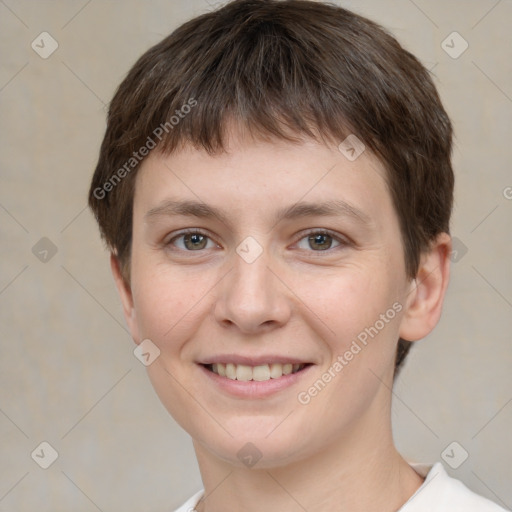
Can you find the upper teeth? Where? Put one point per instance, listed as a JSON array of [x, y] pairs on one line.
[[258, 373]]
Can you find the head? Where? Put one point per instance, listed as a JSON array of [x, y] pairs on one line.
[[247, 109]]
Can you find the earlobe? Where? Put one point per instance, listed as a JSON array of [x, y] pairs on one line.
[[125, 294], [425, 298]]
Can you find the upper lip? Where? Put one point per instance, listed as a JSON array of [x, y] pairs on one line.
[[252, 360]]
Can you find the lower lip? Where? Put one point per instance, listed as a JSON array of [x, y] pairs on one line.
[[252, 388]]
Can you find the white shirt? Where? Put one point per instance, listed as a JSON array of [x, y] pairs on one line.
[[438, 493]]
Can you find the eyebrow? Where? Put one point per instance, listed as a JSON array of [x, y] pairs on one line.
[[338, 208]]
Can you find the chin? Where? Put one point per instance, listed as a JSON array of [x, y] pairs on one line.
[[257, 443], [257, 454]]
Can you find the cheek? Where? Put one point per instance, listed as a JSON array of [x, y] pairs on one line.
[[169, 304], [348, 300], [168, 309], [362, 311]]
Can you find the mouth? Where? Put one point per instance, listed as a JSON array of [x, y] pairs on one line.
[[259, 373]]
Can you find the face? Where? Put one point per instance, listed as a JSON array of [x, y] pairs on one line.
[[270, 259]]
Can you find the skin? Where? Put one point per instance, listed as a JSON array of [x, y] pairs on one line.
[[337, 451]]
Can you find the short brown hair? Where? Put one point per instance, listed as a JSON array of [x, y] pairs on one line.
[[282, 68]]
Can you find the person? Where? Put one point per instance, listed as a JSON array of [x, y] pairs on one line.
[[275, 188]]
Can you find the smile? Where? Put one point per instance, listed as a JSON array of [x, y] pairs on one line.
[[260, 373]]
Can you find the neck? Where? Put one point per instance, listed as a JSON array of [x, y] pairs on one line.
[[359, 472]]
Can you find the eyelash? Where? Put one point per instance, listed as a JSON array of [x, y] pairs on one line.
[[342, 242]]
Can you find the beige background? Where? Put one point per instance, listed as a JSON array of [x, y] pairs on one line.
[[68, 375]]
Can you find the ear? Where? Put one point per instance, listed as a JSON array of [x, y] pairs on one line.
[[125, 293], [427, 292]]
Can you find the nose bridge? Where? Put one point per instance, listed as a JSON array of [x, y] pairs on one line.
[[251, 295], [251, 274], [251, 285]]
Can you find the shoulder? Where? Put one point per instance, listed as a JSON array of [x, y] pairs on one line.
[[443, 493], [190, 504]]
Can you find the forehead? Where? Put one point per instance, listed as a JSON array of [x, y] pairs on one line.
[[264, 179]]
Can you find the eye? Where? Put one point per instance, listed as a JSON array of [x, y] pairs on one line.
[[320, 241], [196, 240], [193, 240]]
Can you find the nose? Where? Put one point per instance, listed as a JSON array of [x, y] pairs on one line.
[[253, 297]]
